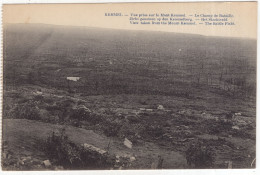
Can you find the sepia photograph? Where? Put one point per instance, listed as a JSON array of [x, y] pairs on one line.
[[129, 86]]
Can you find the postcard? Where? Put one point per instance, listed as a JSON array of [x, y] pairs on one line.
[[129, 86]]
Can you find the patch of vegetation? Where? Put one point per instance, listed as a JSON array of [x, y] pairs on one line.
[[200, 155], [154, 131], [38, 98], [81, 113], [71, 156], [27, 110], [242, 133], [217, 127]]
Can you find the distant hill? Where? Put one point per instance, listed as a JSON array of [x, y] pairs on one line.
[[41, 38], [156, 55]]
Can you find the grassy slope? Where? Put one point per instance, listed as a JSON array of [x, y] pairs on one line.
[[23, 137]]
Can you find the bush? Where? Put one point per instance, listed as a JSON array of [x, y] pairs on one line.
[[59, 148], [111, 129], [28, 110], [81, 113], [199, 155], [153, 131], [218, 127], [71, 156], [38, 98], [67, 103], [242, 133], [48, 100]]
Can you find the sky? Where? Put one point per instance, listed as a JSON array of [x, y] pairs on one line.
[[93, 15]]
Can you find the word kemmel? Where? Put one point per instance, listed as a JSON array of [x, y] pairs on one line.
[[113, 14]]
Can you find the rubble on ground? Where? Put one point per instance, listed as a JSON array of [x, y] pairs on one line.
[[160, 107], [128, 143], [46, 163], [94, 149]]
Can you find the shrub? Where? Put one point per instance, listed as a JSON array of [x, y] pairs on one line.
[[153, 131], [214, 127], [67, 103], [27, 110], [111, 129], [242, 133], [38, 98], [59, 148], [72, 156], [80, 113], [200, 155], [48, 100]]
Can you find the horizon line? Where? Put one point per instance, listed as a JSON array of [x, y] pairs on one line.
[[219, 36]]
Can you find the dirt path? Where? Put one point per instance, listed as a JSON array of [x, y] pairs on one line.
[[22, 137]]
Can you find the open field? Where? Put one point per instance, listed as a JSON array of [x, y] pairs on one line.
[[168, 94]]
